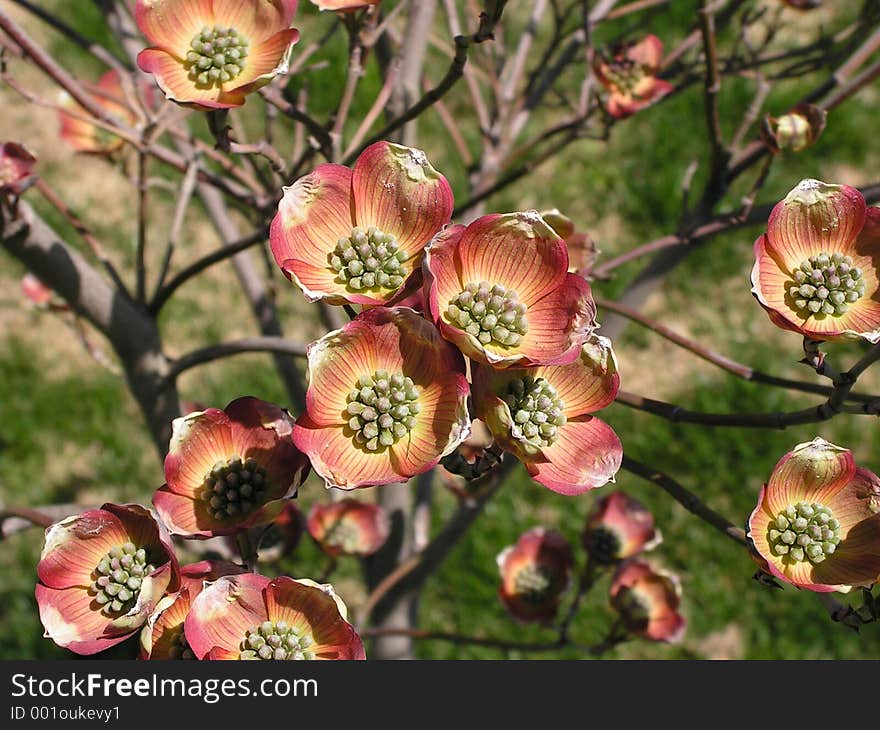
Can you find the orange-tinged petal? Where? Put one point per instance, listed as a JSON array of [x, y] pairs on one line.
[[75, 545], [71, 620], [315, 609], [158, 637], [264, 62], [589, 383], [314, 213], [397, 190], [813, 472], [517, 250], [648, 52], [442, 425], [586, 455], [344, 5], [222, 613], [559, 324], [171, 24], [336, 458], [198, 441], [256, 20], [815, 217], [174, 80]]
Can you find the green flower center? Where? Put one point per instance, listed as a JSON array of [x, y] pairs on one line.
[[625, 75], [382, 409], [490, 312], [233, 488], [533, 582], [804, 531], [369, 259], [217, 55], [343, 536], [603, 545], [179, 648], [826, 284], [275, 640], [536, 408], [117, 578]]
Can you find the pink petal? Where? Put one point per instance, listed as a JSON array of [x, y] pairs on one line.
[[264, 62], [339, 461], [815, 217], [396, 189], [811, 472], [173, 79], [171, 24], [585, 455], [199, 440], [222, 613], [256, 20], [71, 619], [517, 250], [589, 383], [648, 52], [314, 213]]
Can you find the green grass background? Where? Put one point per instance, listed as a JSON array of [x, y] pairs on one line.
[[69, 431]]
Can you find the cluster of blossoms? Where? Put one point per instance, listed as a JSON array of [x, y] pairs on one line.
[[388, 392], [537, 570]]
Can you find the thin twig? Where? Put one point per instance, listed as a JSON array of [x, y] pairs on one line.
[[249, 344]]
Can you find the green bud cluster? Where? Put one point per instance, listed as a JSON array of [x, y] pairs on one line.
[[179, 648], [490, 312], [117, 578], [533, 582], [233, 488], [382, 409], [369, 259], [603, 545], [217, 55], [625, 74], [826, 284], [536, 408], [276, 640], [804, 531]]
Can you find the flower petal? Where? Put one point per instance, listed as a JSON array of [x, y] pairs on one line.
[[517, 250], [585, 455], [559, 324], [589, 383], [314, 213], [171, 24], [256, 20], [198, 441], [173, 79], [814, 472], [310, 607], [815, 217], [648, 52], [397, 190], [265, 61], [222, 613], [336, 458], [71, 621]]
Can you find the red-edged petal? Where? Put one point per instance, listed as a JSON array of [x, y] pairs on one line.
[[314, 213], [517, 250], [222, 613], [316, 610], [648, 52], [72, 621], [814, 472], [198, 441], [585, 455], [815, 217], [173, 78], [264, 62], [158, 637], [171, 24], [256, 20], [397, 190], [559, 324], [336, 458], [589, 383]]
